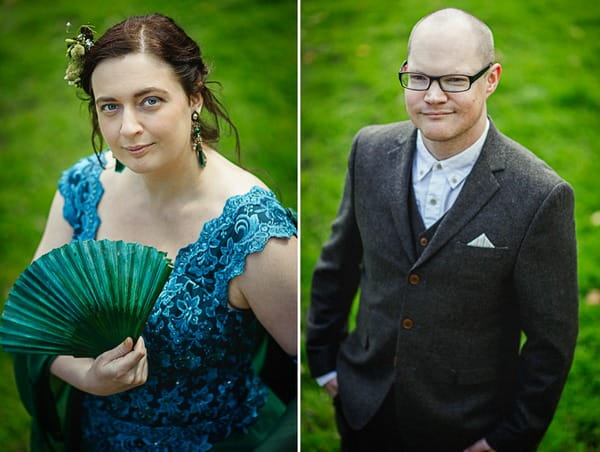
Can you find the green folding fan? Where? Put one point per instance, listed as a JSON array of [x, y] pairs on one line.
[[83, 298]]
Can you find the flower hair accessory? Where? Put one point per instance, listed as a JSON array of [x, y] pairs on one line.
[[77, 47]]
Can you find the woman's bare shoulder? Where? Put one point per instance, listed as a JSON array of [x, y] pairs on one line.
[[232, 179]]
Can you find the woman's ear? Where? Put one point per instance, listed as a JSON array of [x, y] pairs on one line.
[[196, 102]]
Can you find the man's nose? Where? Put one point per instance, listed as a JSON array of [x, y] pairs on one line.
[[434, 93]]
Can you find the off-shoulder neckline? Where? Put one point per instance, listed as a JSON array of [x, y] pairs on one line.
[[185, 250]]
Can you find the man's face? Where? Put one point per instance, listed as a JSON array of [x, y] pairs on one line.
[[449, 122]]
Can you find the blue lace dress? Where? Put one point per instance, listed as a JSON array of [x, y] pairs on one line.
[[201, 386]]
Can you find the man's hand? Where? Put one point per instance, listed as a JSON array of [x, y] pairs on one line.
[[332, 387], [480, 446]]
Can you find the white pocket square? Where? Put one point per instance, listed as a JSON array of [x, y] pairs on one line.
[[481, 242]]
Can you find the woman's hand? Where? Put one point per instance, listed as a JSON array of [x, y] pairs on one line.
[[119, 369]]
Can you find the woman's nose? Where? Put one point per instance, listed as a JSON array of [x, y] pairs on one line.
[[130, 125]]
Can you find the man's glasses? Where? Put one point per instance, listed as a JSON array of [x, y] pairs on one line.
[[450, 83]]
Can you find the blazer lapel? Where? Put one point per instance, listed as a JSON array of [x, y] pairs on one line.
[[479, 187], [399, 165]]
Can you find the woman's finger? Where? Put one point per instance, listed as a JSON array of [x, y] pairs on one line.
[[140, 344], [127, 364], [120, 350], [140, 371]]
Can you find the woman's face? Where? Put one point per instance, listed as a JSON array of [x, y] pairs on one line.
[[143, 112]]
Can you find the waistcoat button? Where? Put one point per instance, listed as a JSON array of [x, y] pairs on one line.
[[414, 279]]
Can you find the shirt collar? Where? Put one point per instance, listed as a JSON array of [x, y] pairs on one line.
[[455, 168]]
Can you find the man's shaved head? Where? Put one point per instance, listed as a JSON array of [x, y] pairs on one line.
[[473, 31]]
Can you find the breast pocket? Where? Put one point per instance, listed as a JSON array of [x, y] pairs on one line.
[[480, 253], [477, 270]]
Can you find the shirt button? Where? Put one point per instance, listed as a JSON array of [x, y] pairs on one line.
[[407, 323], [414, 279], [438, 166], [433, 201], [423, 241]]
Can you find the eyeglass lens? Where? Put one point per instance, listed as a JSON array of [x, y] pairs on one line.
[[421, 82]]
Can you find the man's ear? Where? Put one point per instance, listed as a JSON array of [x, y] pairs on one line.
[[492, 79]]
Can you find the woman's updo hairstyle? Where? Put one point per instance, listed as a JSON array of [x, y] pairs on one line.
[[160, 36]]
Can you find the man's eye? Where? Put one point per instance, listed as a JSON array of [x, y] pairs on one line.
[[418, 78], [456, 80]]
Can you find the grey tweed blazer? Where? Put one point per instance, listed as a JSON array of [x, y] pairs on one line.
[[446, 326]]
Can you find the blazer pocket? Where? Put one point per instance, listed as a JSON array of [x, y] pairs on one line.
[[476, 376], [476, 252], [357, 339]]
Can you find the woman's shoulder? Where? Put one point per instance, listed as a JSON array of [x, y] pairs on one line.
[[85, 169], [247, 222], [232, 179], [82, 190], [246, 196]]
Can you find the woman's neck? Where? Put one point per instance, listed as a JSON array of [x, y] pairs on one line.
[[174, 184]]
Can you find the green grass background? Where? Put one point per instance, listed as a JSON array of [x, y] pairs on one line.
[[548, 99], [251, 46]]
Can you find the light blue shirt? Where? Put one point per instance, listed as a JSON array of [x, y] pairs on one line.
[[437, 183]]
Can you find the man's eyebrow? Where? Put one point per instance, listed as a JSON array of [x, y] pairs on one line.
[[141, 93]]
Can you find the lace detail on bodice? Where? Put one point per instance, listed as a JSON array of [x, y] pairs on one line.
[[81, 189], [201, 385]]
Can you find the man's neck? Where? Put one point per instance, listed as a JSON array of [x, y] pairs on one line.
[[443, 150]]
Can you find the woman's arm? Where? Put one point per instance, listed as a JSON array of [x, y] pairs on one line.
[[269, 286], [57, 232], [116, 370]]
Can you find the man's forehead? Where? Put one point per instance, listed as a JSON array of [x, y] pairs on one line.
[[459, 32], [448, 49]]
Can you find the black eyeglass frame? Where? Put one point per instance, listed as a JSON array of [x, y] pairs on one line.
[[431, 78]]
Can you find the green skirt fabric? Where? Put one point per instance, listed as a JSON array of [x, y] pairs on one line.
[[275, 430]]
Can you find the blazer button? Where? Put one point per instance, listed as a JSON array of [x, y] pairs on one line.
[[407, 323], [423, 241], [414, 279]]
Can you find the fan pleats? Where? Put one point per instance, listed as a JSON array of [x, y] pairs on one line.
[[83, 298]]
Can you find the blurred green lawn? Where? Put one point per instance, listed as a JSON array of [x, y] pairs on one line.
[[548, 99], [251, 46]]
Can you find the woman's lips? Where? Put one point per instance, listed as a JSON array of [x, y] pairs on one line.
[[138, 149]]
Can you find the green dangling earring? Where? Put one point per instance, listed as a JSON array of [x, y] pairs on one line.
[[197, 139], [119, 166]]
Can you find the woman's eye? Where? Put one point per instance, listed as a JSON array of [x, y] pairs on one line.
[[152, 101], [108, 108]]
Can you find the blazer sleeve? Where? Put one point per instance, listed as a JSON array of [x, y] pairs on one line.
[[335, 282], [545, 278]]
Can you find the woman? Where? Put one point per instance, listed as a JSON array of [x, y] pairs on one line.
[[188, 382]]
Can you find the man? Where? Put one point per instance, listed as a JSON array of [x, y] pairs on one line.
[[460, 240]]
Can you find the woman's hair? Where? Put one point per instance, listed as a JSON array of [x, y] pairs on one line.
[[160, 36]]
